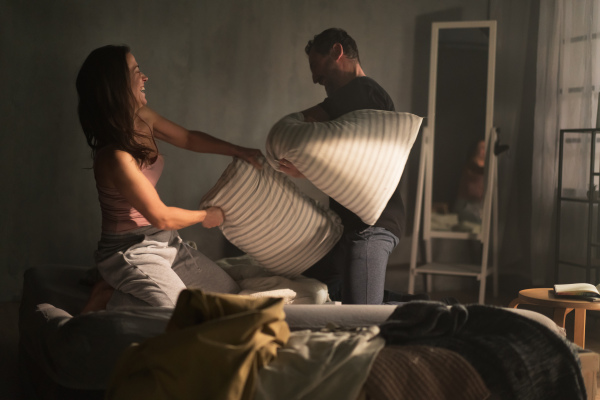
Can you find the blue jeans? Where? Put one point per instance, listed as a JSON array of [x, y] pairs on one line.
[[354, 270]]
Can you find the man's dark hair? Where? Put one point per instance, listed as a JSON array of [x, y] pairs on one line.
[[324, 41]]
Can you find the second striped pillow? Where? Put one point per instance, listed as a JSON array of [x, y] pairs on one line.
[[270, 219]]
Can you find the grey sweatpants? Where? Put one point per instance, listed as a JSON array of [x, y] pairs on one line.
[[149, 266]]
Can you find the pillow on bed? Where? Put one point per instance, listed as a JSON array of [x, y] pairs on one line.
[[270, 219], [356, 159]]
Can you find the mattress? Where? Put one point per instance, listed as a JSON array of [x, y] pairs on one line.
[[78, 351], [65, 354]]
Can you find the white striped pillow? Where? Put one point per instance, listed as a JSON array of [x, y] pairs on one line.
[[270, 219], [356, 159]]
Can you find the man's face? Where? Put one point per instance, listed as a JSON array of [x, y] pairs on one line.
[[324, 70]]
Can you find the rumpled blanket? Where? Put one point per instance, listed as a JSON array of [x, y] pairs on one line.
[[423, 319], [322, 365], [213, 348], [256, 281], [356, 159], [287, 295], [517, 357], [423, 372]]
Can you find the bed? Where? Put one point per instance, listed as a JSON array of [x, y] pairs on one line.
[[64, 355], [299, 345]]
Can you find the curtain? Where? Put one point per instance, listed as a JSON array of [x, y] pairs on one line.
[[568, 81], [513, 114]]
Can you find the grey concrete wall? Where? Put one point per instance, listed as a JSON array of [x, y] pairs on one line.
[[230, 68]]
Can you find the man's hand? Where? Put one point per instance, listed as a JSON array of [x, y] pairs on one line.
[[214, 217], [289, 168]]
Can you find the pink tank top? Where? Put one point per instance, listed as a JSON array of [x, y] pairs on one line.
[[117, 214]]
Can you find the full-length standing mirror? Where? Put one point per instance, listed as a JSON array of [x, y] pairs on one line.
[[456, 187]]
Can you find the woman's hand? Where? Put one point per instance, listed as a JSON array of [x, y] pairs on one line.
[[249, 155], [214, 217]]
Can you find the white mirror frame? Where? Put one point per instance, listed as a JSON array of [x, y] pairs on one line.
[[429, 130]]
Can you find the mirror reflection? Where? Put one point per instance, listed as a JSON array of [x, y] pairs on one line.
[[459, 137]]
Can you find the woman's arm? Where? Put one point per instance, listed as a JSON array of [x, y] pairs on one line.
[[197, 141], [120, 168]]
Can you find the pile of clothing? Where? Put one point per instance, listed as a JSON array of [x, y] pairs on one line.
[[219, 346]]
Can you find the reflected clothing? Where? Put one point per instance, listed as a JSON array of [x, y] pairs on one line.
[[354, 270], [117, 214], [469, 201]]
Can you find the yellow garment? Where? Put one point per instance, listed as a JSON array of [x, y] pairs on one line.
[[212, 349]]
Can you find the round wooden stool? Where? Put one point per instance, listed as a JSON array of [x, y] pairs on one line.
[[546, 298]]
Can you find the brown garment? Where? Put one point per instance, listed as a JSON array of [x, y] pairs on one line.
[[423, 372], [212, 349]]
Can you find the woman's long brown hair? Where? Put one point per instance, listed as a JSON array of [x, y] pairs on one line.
[[106, 103]]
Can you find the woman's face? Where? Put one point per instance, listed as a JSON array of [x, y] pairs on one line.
[[138, 80]]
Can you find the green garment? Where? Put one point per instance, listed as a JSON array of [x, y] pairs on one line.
[[212, 349]]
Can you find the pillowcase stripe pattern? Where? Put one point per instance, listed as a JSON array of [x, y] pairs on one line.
[[270, 219], [356, 159]]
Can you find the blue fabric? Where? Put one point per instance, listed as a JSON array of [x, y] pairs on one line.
[[354, 270]]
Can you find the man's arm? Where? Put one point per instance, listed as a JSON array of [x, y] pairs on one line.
[[313, 114]]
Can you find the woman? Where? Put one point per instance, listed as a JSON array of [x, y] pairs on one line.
[[469, 201], [140, 253]]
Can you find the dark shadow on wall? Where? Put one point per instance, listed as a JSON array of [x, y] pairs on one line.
[[516, 212]]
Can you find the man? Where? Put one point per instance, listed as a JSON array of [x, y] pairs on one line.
[[354, 270]]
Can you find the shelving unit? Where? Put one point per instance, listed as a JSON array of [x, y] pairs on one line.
[[578, 205]]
